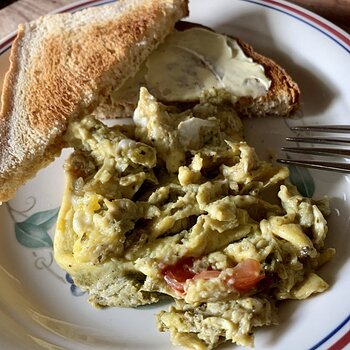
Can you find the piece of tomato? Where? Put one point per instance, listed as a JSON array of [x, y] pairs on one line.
[[207, 275], [176, 275], [173, 283], [245, 275]]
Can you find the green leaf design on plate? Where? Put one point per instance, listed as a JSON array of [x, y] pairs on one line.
[[301, 178], [32, 232], [32, 236], [45, 219]]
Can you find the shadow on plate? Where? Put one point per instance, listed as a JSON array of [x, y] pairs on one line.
[[338, 237]]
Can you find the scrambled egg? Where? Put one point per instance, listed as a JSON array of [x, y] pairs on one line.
[[180, 205]]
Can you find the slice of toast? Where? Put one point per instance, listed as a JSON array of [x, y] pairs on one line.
[[282, 98], [60, 65]]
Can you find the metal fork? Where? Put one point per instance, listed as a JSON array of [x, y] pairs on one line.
[[320, 151]]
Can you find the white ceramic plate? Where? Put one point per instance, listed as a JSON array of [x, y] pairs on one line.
[[39, 306]]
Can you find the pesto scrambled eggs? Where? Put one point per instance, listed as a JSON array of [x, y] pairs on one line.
[[180, 205]]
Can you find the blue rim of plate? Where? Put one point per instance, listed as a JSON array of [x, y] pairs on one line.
[[337, 35]]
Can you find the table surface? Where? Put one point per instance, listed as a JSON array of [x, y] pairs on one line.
[[337, 11]]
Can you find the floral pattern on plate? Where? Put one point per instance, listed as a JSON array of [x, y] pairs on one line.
[[33, 232]]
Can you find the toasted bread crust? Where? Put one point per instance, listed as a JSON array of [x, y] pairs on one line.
[[283, 96], [60, 65]]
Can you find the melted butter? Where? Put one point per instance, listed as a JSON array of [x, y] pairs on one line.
[[196, 59]]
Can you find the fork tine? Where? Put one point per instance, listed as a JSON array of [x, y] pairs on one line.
[[318, 151], [319, 140], [323, 128], [324, 165], [338, 167]]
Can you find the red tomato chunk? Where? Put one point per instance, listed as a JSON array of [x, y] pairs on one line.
[[176, 275], [244, 276]]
